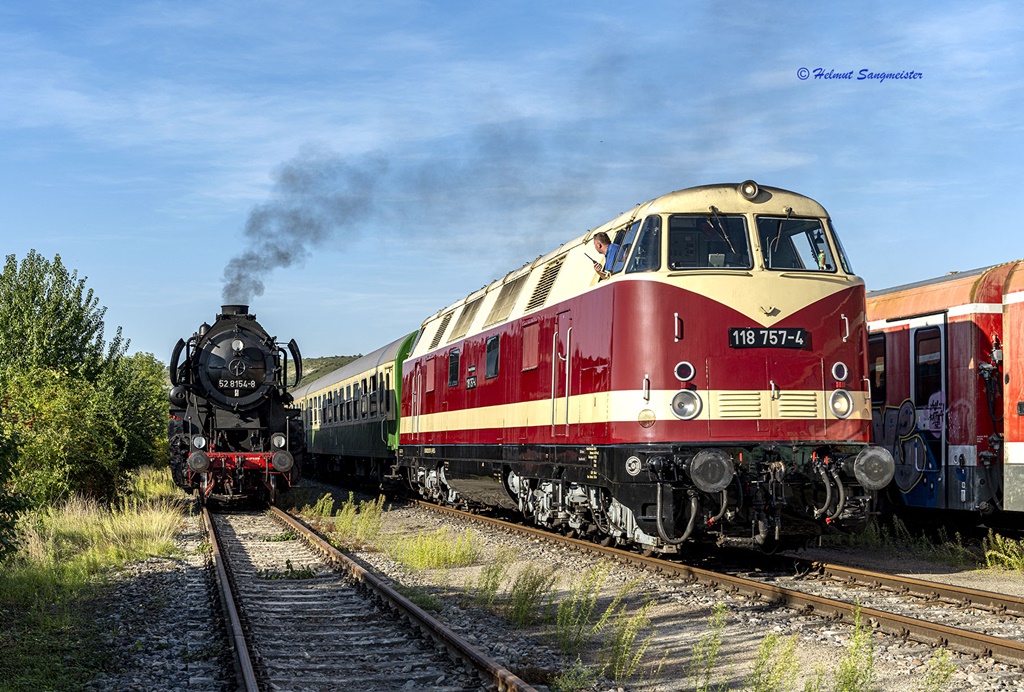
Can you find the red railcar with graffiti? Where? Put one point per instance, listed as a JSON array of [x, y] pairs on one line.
[[710, 385], [947, 376]]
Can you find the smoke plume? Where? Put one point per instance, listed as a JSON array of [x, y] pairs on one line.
[[315, 195]]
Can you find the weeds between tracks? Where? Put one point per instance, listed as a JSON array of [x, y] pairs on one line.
[[612, 640]]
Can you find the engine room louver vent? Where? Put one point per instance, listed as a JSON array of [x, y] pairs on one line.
[[465, 319], [440, 330], [739, 404], [506, 300], [799, 405], [547, 280]]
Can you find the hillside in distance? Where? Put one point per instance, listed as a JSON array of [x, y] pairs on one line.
[[313, 368]]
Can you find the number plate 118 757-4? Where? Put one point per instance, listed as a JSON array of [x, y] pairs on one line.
[[757, 337]]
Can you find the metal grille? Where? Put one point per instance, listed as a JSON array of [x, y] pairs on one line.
[[798, 405], [547, 280], [739, 404], [440, 331], [506, 300], [465, 319]]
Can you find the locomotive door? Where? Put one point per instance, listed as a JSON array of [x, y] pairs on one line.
[[561, 373], [924, 474], [417, 399]]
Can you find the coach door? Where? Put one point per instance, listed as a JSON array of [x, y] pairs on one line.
[[924, 451], [561, 373]]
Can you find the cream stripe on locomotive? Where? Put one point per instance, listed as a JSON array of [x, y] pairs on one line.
[[626, 406]]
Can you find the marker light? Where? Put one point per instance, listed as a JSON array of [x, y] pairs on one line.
[[749, 189]]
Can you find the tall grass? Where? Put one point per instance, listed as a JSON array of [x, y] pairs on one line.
[[489, 581], [625, 649], [704, 657], [530, 593], [62, 548], [360, 523], [1004, 553], [856, 672], [434, 550], [575, 621], [776, 667], [63, 552]]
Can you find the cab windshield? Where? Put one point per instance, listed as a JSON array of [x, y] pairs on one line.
[[794, 244], [708, 241]]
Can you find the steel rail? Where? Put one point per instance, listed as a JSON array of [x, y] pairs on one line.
[[965, 641], [505, 680], [987, 600], [241, 647]]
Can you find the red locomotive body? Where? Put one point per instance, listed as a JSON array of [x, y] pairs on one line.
[[710, 387], [938, 371]]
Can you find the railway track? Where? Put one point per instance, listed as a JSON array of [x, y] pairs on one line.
[[1006, 649], [303, 616]]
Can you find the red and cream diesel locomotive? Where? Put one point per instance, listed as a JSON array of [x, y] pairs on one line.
[[947, 376], [711, 388]]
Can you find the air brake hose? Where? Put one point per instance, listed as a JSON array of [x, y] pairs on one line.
[[694, 508]]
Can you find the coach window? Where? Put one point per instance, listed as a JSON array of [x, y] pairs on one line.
[[707, 241], [492, 351], [794, 244], [876, 368], [647, 256], [387, 393], [453, 367], [373, 395]]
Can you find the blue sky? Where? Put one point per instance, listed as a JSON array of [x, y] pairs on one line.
[[397, 155]]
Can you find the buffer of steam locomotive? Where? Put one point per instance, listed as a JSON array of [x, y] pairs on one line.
[[231, 430]]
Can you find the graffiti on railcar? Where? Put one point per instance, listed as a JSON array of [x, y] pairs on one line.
[[911, 436]]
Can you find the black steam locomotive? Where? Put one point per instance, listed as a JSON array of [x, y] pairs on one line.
[[232, 431]]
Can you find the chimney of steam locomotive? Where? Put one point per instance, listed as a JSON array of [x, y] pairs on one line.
[[234, 310]]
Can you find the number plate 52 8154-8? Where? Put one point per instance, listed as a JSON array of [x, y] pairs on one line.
[[758, 337]]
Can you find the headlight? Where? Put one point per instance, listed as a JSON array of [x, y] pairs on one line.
[[237, 345], [874, 467], [278, 440], [199, 442], [282, 461], [840, 403], [198, 462], [712, 470], [686, 404], [840, 372]]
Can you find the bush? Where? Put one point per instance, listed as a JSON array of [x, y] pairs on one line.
[[69, 440]]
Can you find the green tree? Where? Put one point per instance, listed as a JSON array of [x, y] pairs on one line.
[[10, 503], [69, 439], [139, 403], [85, 413], [49, 319]]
